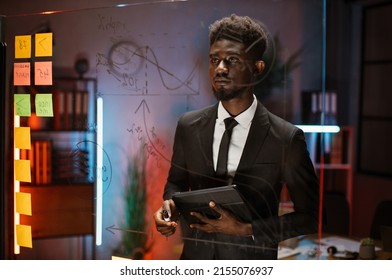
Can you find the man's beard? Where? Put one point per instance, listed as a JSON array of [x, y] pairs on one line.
[[222, 95]]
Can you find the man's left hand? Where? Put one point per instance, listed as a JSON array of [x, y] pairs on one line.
[[227, 223]]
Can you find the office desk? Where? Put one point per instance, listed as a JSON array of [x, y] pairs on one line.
[[309, 248]]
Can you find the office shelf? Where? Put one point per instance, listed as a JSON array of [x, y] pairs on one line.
[[62, 158], [335, 163]]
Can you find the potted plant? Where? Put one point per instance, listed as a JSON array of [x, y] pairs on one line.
[[367, 249], [136, 242]]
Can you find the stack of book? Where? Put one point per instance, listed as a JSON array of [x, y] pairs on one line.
[[333, 150], [70, 110], [314, 103]]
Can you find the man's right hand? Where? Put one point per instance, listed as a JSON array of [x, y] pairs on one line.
[[166, 228]]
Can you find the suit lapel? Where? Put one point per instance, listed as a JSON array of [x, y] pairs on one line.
[[258, 131], [205, 134]]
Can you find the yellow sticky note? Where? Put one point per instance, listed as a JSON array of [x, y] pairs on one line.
[[23, 203], [43, 73], [22, 170], [22, 104], [44, 105], [23, 46], [23, 236], [22, 74], [43, 44], [22, 138]]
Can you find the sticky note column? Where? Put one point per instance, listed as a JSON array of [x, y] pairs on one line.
[[26, 90]]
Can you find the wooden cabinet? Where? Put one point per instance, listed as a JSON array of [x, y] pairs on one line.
[[60, 210]]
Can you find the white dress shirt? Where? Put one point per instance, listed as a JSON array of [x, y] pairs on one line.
[[238, 136]]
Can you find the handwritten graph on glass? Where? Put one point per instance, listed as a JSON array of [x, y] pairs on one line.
[[131, 69]]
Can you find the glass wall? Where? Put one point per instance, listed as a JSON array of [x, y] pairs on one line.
[[117, 78]]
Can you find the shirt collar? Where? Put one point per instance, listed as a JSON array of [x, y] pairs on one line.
[[244, 119]]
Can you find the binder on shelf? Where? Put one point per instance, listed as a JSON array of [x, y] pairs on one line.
[[77, 110], [67, 109], [58, 109], [84, 111], [61, 114], [337, 149], [42, 162], [81, 110], [46, 162], [37, 164], [71, 110]]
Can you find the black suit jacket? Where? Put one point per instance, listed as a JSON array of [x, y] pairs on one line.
[[275, 154]]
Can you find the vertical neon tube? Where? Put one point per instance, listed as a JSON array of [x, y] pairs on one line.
[[323, 77], [98, 206]]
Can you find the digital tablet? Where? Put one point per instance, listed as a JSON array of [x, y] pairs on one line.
[[227, 197]]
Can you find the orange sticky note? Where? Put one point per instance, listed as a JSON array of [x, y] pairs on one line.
[[22, 170], [23, 236], [23, 46], [23, 203], [43, 73], [22, 138], [43, 44], [22, 74]]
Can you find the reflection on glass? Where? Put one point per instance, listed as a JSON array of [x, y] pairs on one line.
[[150, 60]]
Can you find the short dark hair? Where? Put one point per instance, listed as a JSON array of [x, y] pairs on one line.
[[242, 29]]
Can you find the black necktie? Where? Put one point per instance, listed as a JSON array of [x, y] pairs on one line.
[[221, 166]]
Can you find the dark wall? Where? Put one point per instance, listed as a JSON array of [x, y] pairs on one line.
[[344, 73]]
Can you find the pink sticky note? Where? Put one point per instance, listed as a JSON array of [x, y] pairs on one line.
[[43, 73], [22, 74]]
